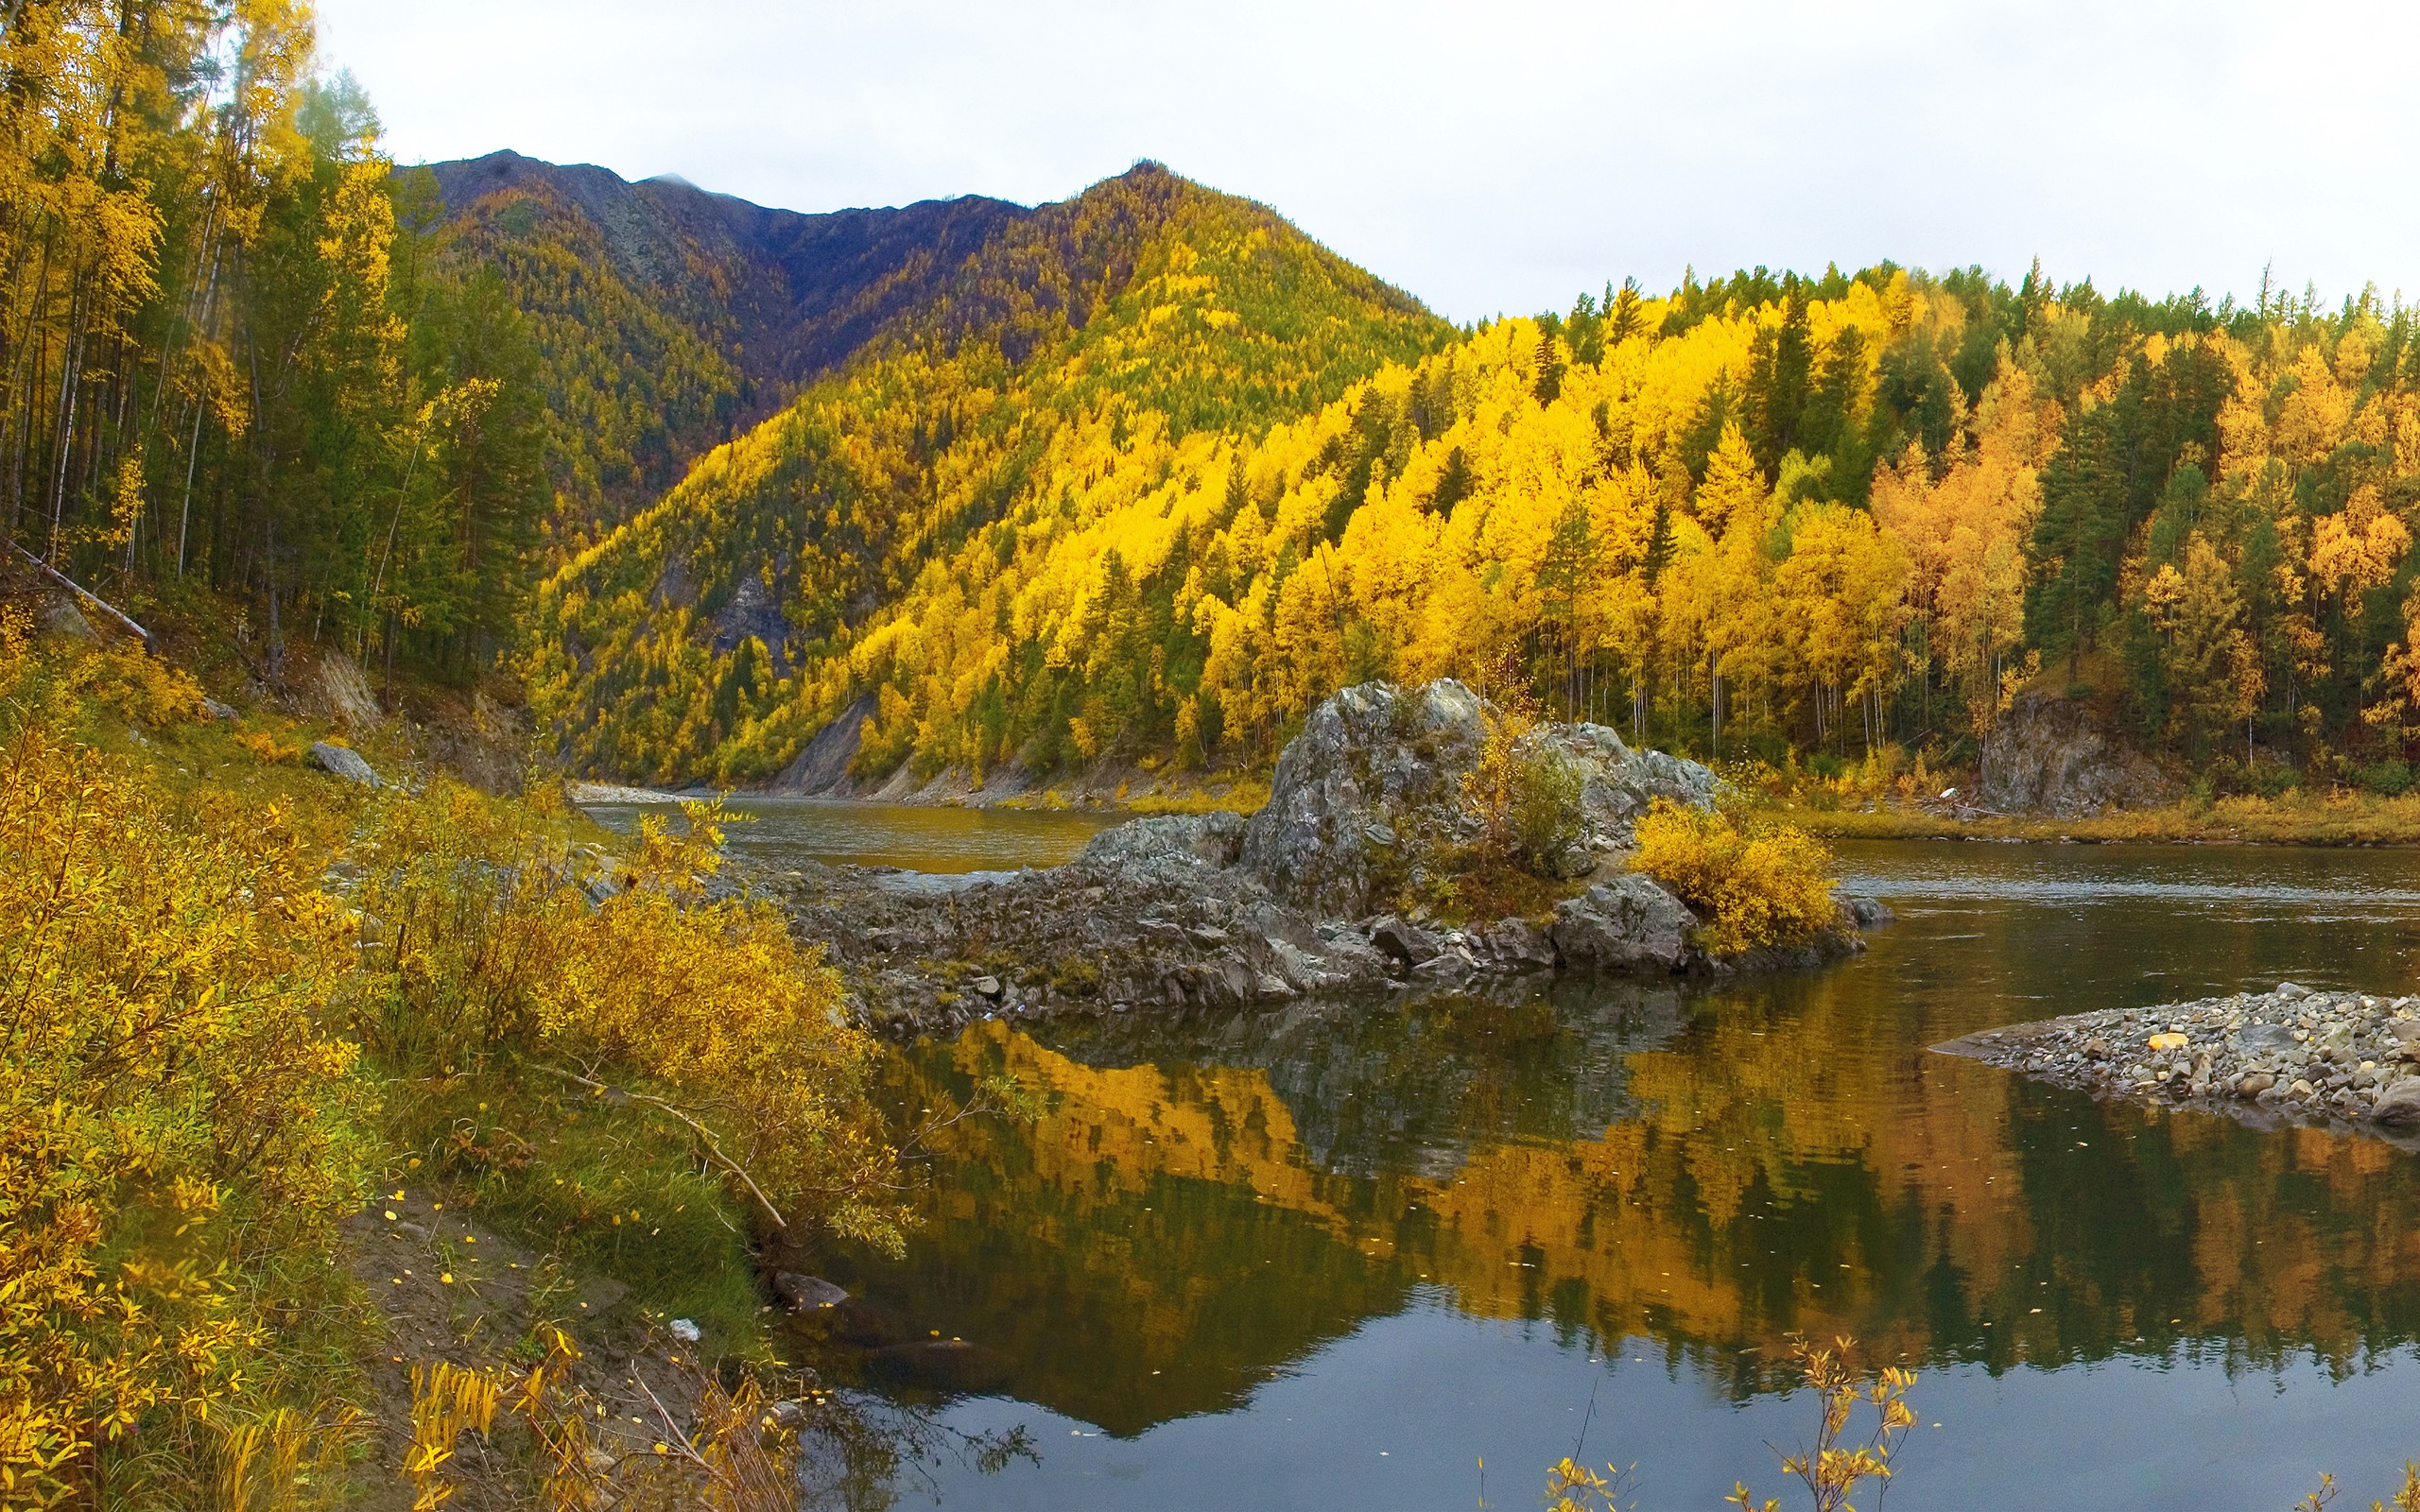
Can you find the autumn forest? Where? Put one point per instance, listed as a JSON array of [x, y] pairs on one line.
[[1146, 473]]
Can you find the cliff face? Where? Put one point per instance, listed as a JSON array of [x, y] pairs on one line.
[[2055, 756]]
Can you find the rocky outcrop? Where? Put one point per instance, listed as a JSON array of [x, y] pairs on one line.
[[2050, 755], [1216, 911], [821, 769], [1625, 924], [1369, 797]]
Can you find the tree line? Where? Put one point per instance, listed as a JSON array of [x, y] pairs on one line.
[[234, 357]]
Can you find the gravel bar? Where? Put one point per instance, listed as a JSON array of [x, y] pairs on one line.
[[2290, 1053]]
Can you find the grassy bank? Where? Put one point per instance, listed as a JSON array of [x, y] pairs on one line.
[[353, 1129], [2339, 819]]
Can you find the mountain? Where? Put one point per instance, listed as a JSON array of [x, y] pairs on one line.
[[717, 630], [669, 318]]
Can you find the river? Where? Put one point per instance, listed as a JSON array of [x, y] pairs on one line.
[[1335, 1257]]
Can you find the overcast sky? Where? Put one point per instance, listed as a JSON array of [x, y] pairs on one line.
[[1498, 157]]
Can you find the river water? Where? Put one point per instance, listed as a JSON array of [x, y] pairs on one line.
[[1336, 1258]]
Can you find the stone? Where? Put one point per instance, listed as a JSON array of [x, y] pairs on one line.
[[2406, 1031], [1628, 924], [2264, 1038], [988, 985], [1371, 794], [1520, 945], [1866, 913], [2292, 991], [1405, 943], [212, 709], [685, 1331], [806, 1294], [1193, 840], [2168, 1041], [343, 760], [2051, 755], [2398, 1104], [2254, 1084]]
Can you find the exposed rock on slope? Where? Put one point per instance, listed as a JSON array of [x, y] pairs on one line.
[[1215, 911], [2052, 756]]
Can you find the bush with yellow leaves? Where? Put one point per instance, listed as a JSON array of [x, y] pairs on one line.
[[136, 685], [489, 950], [1762, 883], [177, 1117]]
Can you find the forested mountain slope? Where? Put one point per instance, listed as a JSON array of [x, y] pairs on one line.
[[667, 318], [714, 632], [1771, 514]]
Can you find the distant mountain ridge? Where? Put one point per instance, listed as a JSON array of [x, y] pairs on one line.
[[669, 318], [821, 283]]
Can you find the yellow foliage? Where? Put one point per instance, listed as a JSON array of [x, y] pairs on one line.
[[138, 686], [175, 1109], [488, 948], [1766, 885]]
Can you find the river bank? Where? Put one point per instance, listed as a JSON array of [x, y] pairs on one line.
[[2286, 1054], [2340, 819]]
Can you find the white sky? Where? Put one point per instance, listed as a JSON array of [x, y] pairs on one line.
[[1502, 156]]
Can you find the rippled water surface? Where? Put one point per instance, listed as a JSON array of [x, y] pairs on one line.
[[1334, 1258]]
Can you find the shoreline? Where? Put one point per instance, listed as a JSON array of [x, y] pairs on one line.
[[2339, 821], [2343, 1060]]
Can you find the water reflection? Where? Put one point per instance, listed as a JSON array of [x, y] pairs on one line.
[[1208, 1207]]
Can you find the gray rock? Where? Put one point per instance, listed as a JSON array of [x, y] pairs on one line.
[[988, 985], [2292, 991], [2398, 1104], [2264, 1038], [2050, 755], [1521, 945], [1628, 924], [1369, 797], [214, 710], [1865, 913], [806, 1294], [343, 760], [60, 619], [1198, 839], [1406, 944]]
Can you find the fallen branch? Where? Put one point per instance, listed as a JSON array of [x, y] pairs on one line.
[[88, 596], [705, 1135]]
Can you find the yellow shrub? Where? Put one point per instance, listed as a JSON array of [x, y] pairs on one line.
[[1770, 884], [491, 949], [266, 747], [174, 1114], [138, 686]]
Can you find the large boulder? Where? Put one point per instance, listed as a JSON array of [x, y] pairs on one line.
[[1368, 794], [1627, 924], [1185, 839], [343, 761]]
